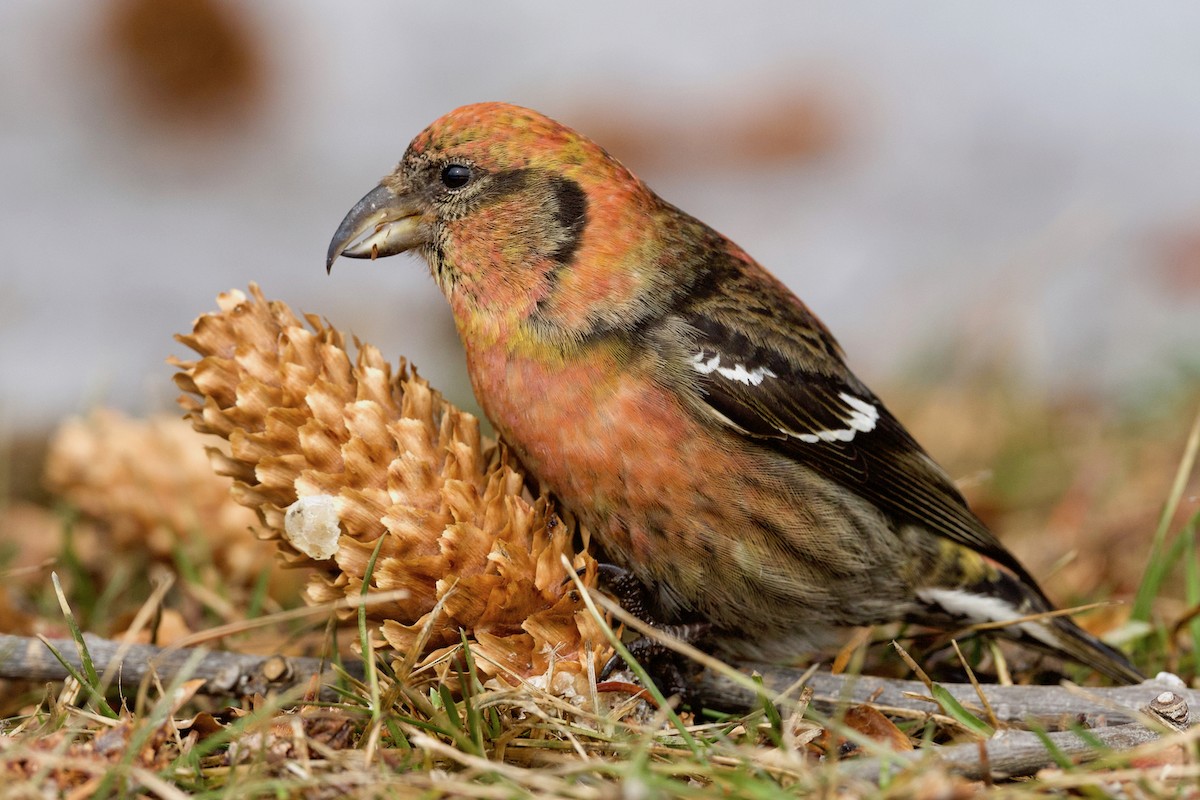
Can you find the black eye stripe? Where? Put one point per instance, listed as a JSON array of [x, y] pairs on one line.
[[571, 216], [456, 176]]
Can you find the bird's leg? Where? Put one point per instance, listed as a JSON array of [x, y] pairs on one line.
[[665, 666], [628, 591], [648, 650]]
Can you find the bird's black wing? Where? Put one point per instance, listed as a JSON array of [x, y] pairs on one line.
[[787, 387]]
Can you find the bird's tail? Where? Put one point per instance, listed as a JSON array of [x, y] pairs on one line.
[[1061, 636], [1003, 597]]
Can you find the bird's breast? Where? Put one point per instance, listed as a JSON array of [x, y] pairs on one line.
[[614, 445]]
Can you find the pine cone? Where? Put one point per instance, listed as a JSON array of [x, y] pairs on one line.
[[335, 453], [146, 486]]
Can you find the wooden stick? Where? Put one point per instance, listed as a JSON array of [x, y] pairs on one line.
[[225, 673], [1012, 755], [1050, 707]]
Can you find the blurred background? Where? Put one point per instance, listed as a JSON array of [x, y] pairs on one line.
[[995, 206], [950, 186]]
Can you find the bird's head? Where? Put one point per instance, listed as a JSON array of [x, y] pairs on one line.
[[528, 227]]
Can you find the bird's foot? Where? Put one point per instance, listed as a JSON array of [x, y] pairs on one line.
[[628, 591], [669, 670]]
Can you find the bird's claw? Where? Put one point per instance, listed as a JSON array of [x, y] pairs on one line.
[[627, 590], [665, 666]]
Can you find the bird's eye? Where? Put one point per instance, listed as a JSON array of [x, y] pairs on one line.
[[455, 176]]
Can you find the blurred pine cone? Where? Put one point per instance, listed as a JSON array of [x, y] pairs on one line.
[[335, 453], [144, 485]]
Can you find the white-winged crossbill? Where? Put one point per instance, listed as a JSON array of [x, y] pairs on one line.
[[684, 404]]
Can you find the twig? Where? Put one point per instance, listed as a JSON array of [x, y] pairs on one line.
[[1050, 707], [225, 673], [1011, 755]]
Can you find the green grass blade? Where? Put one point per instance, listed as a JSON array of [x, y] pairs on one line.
[[958, 712], [1157, 566]]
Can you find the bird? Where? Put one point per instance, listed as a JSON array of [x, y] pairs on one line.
[[685, 405]]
